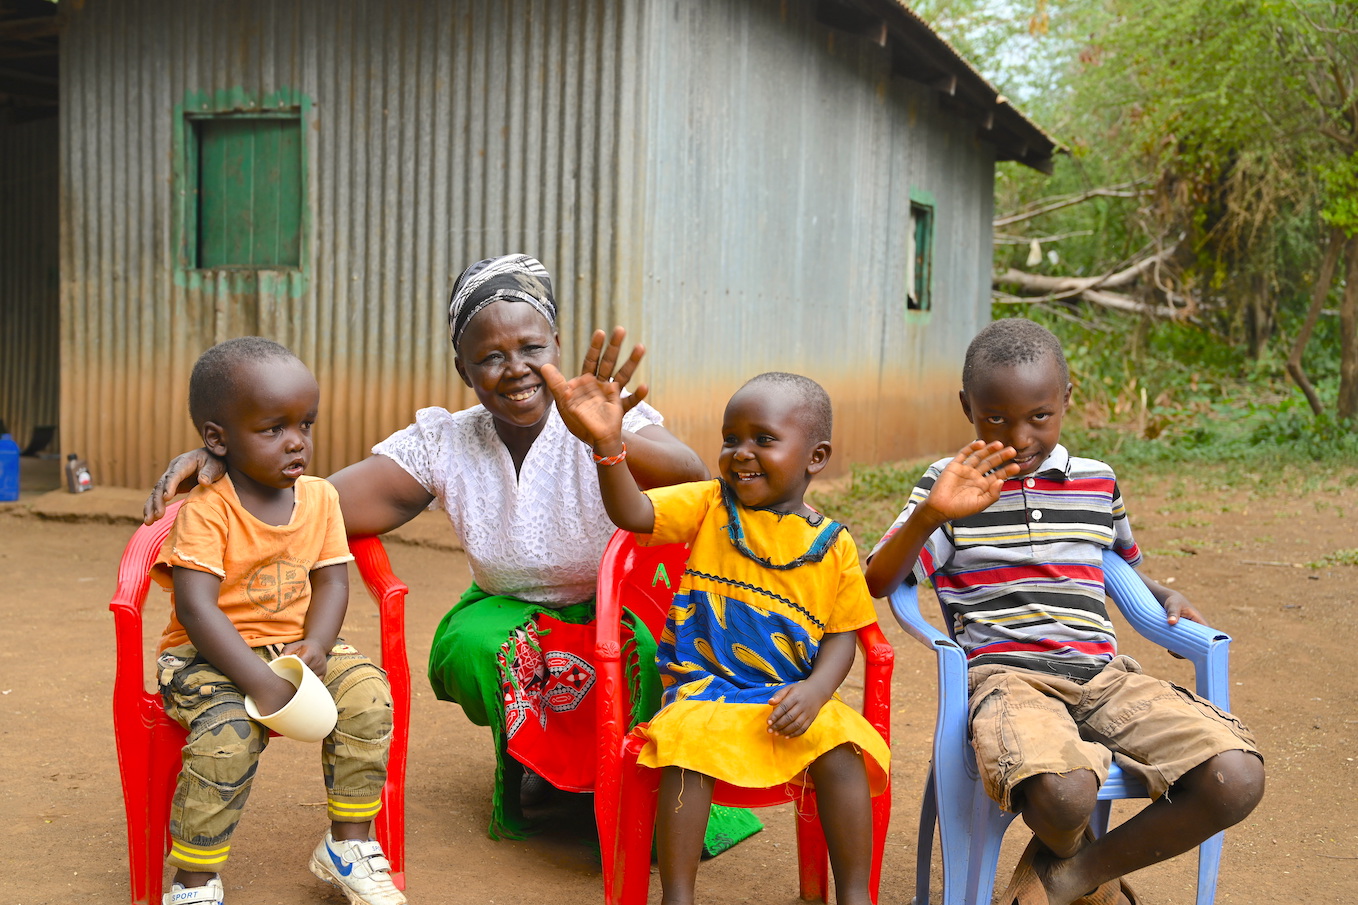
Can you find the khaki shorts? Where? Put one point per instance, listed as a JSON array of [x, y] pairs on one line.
[[1027, 723]]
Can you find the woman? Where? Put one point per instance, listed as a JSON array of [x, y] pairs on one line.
[[522, 494]]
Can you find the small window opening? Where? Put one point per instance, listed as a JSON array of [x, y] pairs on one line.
[[919, 258]]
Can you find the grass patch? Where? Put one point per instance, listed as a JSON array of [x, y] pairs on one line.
[[1337, 558], [1188, 523], [871, 498]]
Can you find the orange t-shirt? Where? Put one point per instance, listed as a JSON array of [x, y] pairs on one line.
[[265, 569]]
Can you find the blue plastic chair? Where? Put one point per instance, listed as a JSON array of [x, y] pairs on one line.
[[970, 825]]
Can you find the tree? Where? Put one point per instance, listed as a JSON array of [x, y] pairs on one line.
[[1242, 118], [1247, 114]]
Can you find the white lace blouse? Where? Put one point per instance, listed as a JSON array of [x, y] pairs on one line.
[[538, 537]]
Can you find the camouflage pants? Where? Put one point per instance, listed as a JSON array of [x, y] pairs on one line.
[[222, 751]]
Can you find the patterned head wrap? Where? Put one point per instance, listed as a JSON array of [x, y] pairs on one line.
[[509, 277]]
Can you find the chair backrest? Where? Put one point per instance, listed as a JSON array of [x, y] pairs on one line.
[[134, 582], [642, 579]]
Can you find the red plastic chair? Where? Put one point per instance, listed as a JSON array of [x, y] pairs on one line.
[[149, 742], [645, 579]]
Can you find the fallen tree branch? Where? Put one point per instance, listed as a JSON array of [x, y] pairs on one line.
[[1002, 239], [1036, 282], [1125, 190], [1126, 303], [1107, 299]]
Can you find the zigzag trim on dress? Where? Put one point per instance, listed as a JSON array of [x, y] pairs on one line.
[[746, 586]]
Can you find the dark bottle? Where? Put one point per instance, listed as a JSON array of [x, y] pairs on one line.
[[77, 475]]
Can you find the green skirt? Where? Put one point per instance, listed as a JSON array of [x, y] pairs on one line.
[[467, 666]]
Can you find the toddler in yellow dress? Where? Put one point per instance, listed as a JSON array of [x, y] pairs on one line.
[[761, 632]]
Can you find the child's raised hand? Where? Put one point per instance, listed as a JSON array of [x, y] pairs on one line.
[[602, 358], [795, 708], [972, 481], [591, 408]]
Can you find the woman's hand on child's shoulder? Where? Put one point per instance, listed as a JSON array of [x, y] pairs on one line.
[[972, 481], [197, 466], [795, 708]]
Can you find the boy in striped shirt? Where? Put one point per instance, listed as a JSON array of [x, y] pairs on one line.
[[1011, 531]]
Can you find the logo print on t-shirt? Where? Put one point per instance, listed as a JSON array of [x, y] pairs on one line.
[[275, 586]]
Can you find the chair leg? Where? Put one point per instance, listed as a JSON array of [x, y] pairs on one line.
[[881, 824], [389, 826], [145, 833], [629, 877], [607, 796], [1209, 866], [1098, 821], [924, 849], [813, 858], [988, 825], [149, 765]]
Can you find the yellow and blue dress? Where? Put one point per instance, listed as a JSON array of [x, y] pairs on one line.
[[761, 590]]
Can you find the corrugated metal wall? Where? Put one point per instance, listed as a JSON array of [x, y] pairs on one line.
[[783, 159], [728, 179], [439, 133], [29, 363]]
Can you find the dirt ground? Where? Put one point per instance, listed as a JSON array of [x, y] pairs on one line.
[[1234, 555]]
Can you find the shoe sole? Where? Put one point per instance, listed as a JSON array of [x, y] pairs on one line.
[[322, 871]]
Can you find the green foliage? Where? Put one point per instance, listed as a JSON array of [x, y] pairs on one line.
[[1231, 127], [1341, 190], [1170, 393], [1337, 558], [871, 499], [1156, 398]]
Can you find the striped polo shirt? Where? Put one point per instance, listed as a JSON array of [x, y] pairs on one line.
[[1023, 580]]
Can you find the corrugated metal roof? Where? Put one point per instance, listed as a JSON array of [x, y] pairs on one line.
[[920, 53]]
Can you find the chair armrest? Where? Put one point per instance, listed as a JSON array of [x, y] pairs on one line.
[[879, 660], [608, 602], [389, 594], [905, 607], [952, 661], [375, 568], [1204, 646], [950, 730]]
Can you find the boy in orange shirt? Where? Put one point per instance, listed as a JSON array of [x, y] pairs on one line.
[[257, 564]]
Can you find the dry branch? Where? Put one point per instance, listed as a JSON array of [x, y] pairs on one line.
[[1125, 190], [1036, 282], [1094, 289]]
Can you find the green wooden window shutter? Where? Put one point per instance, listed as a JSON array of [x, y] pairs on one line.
[[249, 192], [920, 258]]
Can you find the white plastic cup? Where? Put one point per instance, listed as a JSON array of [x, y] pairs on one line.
[[310, 715]]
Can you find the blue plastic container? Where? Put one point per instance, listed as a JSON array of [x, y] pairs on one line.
[[9, 469]]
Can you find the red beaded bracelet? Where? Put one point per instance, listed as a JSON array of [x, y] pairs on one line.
[[610, 460]]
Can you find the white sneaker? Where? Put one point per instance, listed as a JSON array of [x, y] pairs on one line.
[[359, 869], [211, 894]]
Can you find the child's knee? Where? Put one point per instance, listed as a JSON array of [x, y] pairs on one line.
[[1064, 800], [363, 701], [840, 764], [1231, 784]]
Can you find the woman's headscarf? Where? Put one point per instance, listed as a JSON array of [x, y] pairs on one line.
[[512, 277]]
